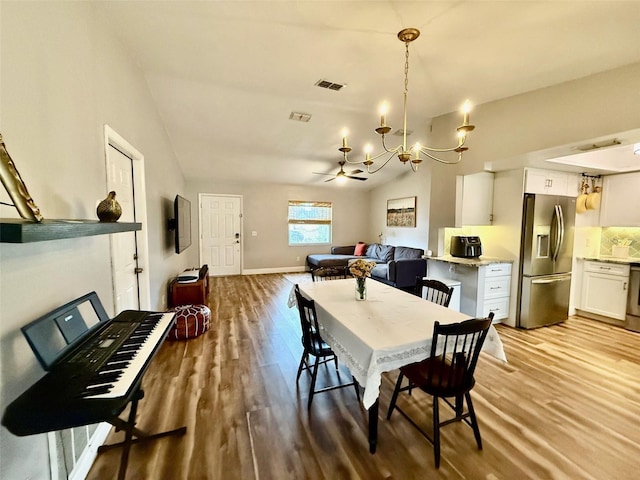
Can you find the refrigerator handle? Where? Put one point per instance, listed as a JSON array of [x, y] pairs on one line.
[[559, 224], [550, 280]]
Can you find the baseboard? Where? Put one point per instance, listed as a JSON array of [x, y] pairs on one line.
[[260, 271], [600, 318], [90, 453]]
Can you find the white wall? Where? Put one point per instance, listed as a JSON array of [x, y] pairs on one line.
[[63, 77], [408, 185], [265, 212]]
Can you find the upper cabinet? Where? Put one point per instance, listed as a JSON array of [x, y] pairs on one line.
[[620, 200], [551, 183], [474, 199]]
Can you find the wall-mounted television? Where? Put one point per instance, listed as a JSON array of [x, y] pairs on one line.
[[181, 223]]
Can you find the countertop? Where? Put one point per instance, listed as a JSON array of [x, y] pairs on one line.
[[625, 261], [470, 262]]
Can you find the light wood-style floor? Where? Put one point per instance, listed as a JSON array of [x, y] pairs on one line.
[[565, 406]]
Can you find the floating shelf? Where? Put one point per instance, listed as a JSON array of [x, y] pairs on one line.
[[17, 230]]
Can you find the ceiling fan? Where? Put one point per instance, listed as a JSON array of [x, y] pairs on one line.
[[342, 174]]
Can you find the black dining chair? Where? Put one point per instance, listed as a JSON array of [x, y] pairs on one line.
[[447, 374], [315, 346], [433, 290]]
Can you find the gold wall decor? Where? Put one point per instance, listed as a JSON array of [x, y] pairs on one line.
[[16, 188]]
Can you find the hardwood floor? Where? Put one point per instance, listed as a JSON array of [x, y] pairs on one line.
[[565, 406]]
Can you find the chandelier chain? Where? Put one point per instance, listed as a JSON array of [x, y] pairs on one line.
[[406, 69]]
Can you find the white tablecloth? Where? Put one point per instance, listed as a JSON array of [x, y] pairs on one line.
[[390, 329]]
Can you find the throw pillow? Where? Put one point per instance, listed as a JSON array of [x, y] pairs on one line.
[[360, 248]]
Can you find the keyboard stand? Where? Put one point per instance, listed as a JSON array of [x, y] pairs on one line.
[[131, 431]]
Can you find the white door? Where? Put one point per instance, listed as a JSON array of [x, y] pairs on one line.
[[220, 234], [123, 245], [129, 258]]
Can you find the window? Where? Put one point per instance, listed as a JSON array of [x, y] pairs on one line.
[[309, 223]]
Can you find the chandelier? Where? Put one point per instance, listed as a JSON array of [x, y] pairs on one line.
[[411, 154]]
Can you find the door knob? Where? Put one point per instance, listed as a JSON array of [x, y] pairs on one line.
[[138, 270]]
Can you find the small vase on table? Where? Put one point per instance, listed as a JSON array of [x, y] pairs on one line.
[[361, 288]]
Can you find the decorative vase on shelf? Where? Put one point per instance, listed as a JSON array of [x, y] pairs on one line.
[[361, 288], [109, 210]]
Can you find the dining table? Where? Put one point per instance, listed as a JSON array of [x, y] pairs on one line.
[[390, 329]]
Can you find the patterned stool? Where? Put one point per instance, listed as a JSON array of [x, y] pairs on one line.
[[191, 321]]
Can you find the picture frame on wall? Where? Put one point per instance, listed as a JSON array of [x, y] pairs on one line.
[[401, 212]]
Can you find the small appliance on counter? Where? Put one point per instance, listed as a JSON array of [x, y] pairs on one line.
[[465, 247]]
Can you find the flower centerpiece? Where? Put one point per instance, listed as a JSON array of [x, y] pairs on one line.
[[361, 269]]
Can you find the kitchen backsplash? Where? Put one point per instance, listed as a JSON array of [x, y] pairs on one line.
[[611, 236], [594, 240]]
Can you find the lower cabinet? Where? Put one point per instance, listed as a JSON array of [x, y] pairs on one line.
[[484, 289], [604, 289]]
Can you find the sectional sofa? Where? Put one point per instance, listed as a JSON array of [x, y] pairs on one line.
[[396, 266]]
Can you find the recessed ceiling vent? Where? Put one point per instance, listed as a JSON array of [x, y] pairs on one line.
[[329, 85], [594, 146], [400, 132], [300, 117]]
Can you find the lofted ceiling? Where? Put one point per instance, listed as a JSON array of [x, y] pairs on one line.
[[226, 75]]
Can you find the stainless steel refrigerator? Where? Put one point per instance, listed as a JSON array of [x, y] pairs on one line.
[[546, 252]]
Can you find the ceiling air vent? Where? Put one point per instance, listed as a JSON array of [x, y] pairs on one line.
[[400, 132], [329, 85], [300, 117]]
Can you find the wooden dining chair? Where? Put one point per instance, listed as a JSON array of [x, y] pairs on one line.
[[434, 290], [314, 345], [447, 374]]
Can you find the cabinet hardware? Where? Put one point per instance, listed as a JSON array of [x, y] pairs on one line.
[[138, 270]]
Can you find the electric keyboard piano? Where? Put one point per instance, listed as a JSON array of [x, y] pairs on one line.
[[95, 367]]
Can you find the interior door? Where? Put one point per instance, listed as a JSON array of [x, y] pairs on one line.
[[220, 234], [124, 256]]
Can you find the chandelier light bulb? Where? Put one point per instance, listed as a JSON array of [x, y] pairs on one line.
[[416, 151], [466, 108], [384, 108], [344, 137]]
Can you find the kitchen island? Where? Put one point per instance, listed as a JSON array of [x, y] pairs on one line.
[[485, 283]]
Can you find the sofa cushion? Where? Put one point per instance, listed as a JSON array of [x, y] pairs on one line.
[[407, 252], [381, 270], [343, 250], [329, 260], [360, 249], [379, 252]]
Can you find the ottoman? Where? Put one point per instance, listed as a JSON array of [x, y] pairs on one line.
[[191, 321]]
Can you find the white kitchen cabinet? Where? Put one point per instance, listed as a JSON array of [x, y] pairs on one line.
[[620, 200], [484, 289], [551, 183], [604, 289], [474, 199]]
